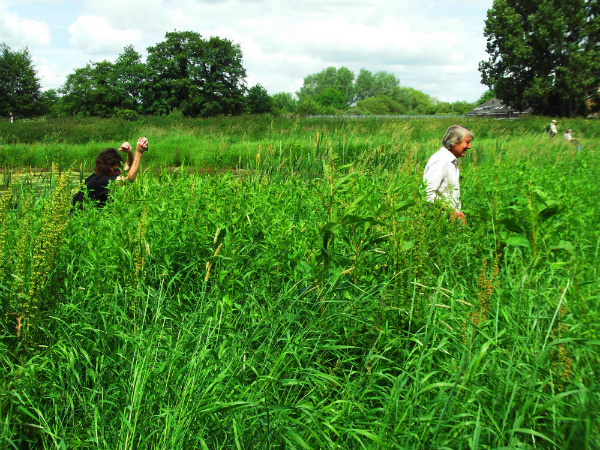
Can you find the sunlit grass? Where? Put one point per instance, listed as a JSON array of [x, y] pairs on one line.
[[312, 300]]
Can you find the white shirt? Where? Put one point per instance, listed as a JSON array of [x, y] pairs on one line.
[[441, 176]]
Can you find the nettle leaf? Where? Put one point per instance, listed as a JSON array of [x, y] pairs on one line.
[[563, 245], [512, 225], [482, 212], [518, 241], [541, 195], [304, 267], [551, 209]]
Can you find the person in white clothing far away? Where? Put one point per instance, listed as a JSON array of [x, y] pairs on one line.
[[441, 174]]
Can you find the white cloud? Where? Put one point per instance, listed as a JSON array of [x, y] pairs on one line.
[[19, 32], [48, 73], [94, 35], [431, 45]]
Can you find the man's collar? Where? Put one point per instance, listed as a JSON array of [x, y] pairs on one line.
[[448, 155]]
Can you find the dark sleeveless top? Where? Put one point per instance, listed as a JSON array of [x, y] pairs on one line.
[[97, 187]]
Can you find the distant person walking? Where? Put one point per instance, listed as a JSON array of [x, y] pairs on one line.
[[11, 117], [568, 136], [441, 174], [108, 168], [551, 129]]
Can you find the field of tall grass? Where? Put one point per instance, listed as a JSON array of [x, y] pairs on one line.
[[307, 299]]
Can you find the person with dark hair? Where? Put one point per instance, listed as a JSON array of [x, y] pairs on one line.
[[108, 168], [441, 172]]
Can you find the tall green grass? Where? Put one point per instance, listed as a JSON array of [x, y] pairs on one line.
[[228, 142], [312, 300]]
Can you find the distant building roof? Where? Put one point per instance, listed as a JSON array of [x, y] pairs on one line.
[[495, 108]]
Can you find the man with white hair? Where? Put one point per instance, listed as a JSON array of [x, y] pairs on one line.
[[441, 173]]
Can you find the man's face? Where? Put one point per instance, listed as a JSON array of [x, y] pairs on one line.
[[459, 150]]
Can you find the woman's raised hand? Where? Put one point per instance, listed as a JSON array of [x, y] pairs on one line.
[[125, 147], [142, 144]]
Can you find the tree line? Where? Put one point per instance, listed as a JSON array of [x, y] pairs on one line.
[[543, 55], [334, 91], [197, 77]]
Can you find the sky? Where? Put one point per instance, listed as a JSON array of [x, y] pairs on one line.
[[431, 45]]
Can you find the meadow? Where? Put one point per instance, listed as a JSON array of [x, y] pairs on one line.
[[280, 283]]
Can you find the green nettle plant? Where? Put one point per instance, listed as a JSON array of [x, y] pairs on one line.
[[289, 287]]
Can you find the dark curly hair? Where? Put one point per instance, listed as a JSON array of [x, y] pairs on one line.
[[106, 160]]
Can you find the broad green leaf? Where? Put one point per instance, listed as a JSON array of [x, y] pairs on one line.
[[518, 241]]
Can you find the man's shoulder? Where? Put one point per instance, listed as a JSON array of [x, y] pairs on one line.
[[442, 155]]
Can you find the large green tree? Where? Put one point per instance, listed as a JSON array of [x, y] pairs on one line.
[[104, 88], [130, 79], [341, 80], [543, 54], [258, 100], [200, 77], [284, 102], [371, 85], [19, 83], [91, 91]]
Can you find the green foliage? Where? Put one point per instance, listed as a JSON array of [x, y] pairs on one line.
[[338, 89], [19, 83], [258, 100], [371, 85], [331, 98], [330, 78], [130, 80], [410, 101], [48, 104], [186, 72], [312, 299], [90, 91], [415, 101], [308, 106], [36, 241], [382, 105], [127, 114], [487, 95], [284, 103], [543, 55]]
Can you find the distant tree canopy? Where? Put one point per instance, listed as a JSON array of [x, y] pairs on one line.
[[487, 95], [335, 91], [188, 75], [543, 54], [284, 103], [19, 83], [185, 72], [371, 85], [331, 78], [258, 100], [351, 89]]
